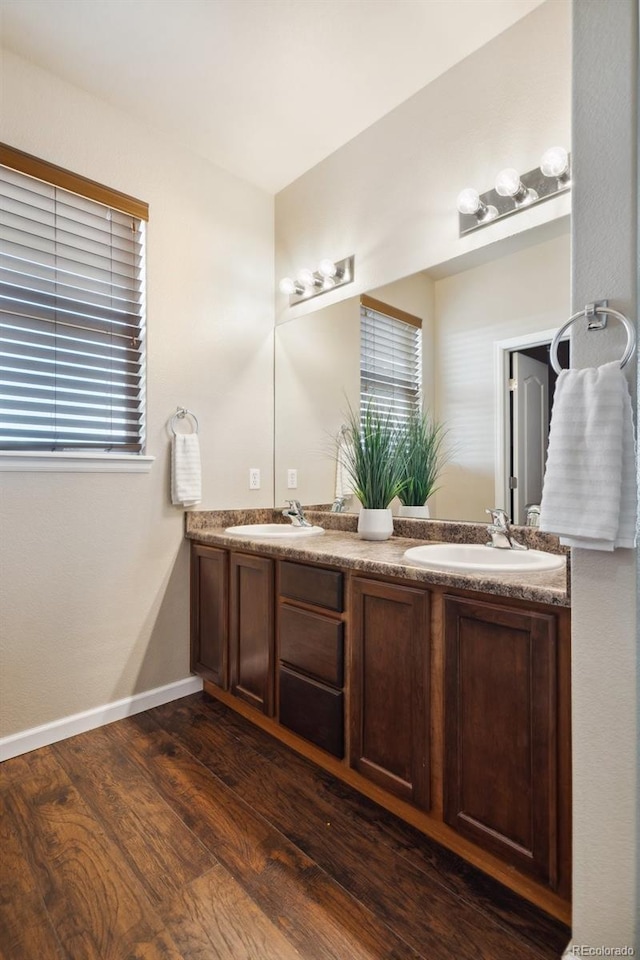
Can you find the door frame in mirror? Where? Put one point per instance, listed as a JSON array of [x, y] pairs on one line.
[[502, 352]]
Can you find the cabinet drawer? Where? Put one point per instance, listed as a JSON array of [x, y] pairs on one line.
[[312, 643], [311, 585], [313, 711]]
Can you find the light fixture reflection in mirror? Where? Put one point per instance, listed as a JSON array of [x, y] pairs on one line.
[[308, 283]]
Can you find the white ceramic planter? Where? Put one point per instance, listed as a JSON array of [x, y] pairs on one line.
[[375, 524], [414, 513]]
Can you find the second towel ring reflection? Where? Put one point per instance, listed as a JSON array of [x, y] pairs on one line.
[[180, 414], [590, 311]]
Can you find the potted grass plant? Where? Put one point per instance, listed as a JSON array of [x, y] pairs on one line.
[[422, 462], [372, 457]]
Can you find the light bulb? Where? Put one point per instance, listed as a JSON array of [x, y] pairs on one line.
[[287, 286], [554, 162], [306, 278], [508, 182], [468, 201], [327, 269]]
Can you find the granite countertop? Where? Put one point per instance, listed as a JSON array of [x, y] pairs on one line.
[[340, 546]]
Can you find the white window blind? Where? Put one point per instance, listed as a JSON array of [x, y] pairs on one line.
[[390, 361], [72, 330]]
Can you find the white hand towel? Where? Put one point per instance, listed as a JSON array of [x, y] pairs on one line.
[[186, 483], [344, 483], [589, 492]]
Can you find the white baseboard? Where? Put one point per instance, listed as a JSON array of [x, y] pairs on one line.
[[48, 733]]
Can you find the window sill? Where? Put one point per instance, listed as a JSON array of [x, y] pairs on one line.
[[63, 462]]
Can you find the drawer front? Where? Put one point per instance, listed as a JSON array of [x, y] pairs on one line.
[[323, 588], [313, 711], [312, 643]]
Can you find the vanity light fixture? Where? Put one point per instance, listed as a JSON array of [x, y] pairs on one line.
[[329, 275], [514, 191]]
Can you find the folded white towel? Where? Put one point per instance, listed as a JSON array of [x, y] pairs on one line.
[[344, 451], [589, 491], [186, 484]]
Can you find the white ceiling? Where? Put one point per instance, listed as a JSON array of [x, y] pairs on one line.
[[263, 88]]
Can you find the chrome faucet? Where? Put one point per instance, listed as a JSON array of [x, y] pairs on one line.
[[532, 515], [295, 513], [500, 532], [338, 505]]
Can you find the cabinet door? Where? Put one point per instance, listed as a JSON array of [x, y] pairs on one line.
[[390, 687], [251, 630], [500, 732], [209, 613]]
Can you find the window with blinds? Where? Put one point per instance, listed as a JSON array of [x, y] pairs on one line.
[[72, 322], [390, 360]]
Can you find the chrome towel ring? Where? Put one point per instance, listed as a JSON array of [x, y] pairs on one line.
[[597, 317], [180, 414]]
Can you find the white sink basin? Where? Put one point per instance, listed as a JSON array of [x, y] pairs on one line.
[[274, 530], [476, 558]]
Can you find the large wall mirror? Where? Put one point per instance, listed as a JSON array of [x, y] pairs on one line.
[[484, 322]]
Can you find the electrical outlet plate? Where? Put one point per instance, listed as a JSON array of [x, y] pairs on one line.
[[254, 478], [292, 479]]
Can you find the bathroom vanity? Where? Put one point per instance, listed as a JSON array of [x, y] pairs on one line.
[[444, 697]]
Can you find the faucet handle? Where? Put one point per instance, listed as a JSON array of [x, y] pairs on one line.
[[532, 515], [498, 516]]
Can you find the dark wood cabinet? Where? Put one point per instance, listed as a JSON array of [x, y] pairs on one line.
[[209, 613], [501, 748], [390, 687], [251, 630], [449, 707]]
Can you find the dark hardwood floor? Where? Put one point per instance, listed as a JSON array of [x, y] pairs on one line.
[[185, 833]]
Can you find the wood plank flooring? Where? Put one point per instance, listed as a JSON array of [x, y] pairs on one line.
[[185, 833]]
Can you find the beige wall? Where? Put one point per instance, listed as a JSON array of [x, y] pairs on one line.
[[94, 571], [317, 378], [605, 677], [521, 293], [389, 195]]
